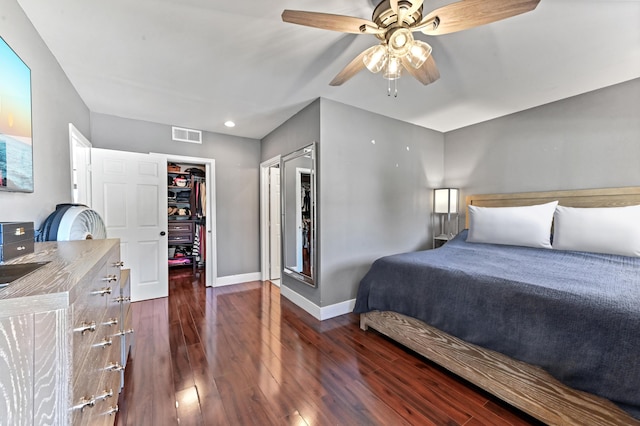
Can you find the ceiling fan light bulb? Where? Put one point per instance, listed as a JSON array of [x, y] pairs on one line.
[[400, 40], [418, 53], [375, 58], [393, 68]]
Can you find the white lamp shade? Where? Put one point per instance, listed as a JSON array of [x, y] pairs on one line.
[[418, 53], [375, 58], [445, 200], [393, 68]]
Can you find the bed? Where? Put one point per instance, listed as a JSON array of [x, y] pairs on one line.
[[459, 307]]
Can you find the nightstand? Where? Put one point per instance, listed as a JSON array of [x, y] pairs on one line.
[[440, 240]]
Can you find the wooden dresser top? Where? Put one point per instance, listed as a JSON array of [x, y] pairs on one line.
[[54, 284]]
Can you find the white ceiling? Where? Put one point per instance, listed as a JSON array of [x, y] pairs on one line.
[[198, 63]]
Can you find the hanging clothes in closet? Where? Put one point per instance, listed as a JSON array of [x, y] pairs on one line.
[[198, 209], [198, 199]]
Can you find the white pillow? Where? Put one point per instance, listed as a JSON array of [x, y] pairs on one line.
[[614, 230], [528, 226]]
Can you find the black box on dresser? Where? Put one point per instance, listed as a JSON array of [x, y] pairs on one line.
[[16, 239]]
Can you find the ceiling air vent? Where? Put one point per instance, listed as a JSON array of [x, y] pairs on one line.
[[186, 135]]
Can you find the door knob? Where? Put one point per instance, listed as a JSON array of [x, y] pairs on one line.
[[162, 233]]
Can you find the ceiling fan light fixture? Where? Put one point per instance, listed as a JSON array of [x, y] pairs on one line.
[[400, 41], [375, 58], [418, 53], [393, 68]]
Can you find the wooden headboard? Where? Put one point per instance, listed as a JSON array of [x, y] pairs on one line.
[[603, 197]]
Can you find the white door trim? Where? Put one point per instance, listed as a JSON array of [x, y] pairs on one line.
[[211, 261], [264, 214], [83, 171]]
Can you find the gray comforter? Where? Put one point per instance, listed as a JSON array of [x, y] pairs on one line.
[[577, 315]]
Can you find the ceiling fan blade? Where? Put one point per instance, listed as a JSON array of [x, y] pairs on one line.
[[354, 67], [328, 21], [426, 74], [466, 14]]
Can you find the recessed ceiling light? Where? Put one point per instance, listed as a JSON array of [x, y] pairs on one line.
[[229, 123]]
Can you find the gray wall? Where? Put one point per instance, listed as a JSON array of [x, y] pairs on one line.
[[299, 131], [375, 198], [295, 133], [55, 104], [237, 162], [587, 141]]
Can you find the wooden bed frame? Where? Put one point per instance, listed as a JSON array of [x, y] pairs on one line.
[[529, 388]]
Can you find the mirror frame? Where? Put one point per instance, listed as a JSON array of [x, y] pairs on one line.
[[311, 279]]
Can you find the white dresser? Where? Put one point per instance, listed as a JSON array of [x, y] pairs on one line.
[[64, 337]]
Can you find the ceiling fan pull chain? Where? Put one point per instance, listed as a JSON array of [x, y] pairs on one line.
[[395, 88]]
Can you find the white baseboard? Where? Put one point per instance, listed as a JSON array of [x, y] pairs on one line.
[[337, 309], [319, 313], [237, 279]]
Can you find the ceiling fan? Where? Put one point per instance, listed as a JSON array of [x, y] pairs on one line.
[[392, 23]]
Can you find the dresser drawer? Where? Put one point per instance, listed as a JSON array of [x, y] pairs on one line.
[[180, 238], [89, 313], [11, 250], [98, 374], [180, 227], [16, 239], [126, 319], [96, 311], [13, 232], [100, 384]]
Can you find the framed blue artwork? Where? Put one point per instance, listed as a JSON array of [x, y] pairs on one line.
[[16, 143]]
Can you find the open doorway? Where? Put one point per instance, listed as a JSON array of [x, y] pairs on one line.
[[191, 242], [270, 217]]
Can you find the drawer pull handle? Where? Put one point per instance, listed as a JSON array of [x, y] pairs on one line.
[[86, 326], [113, 410], [109, 278], [102, 291], [121, 299], [19, 231], [118, 264], [21, 248], [104, 343], [105, 394], [114, 366], [84, 403], [111, 322], [124, 332], [91, 401]]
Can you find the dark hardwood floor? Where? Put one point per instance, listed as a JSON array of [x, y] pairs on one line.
[[242, 355]]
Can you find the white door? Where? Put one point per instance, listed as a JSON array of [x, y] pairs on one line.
[[129, 190], [274, 223]]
